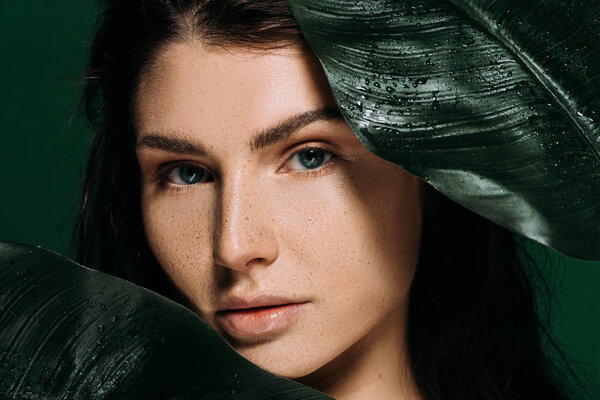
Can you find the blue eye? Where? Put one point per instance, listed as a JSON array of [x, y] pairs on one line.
[[187, 174], [310, 158]]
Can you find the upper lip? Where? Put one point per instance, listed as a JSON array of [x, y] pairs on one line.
[[239, 303]]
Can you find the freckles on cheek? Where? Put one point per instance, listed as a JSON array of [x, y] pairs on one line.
[[324, 240], [383, 226], [177, 232], [160, 226]]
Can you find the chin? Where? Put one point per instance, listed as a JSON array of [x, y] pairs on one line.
[[289, 364]]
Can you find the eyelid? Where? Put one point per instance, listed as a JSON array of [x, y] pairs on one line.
[[311, 143], [163, 170]]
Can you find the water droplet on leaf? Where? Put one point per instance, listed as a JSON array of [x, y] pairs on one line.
[[420, 81]]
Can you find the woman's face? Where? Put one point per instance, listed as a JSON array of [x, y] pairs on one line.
[[256, 192]]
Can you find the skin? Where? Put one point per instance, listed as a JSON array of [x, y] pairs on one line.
[[343, 236]]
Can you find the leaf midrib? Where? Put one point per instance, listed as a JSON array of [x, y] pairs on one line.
[[555, 90]]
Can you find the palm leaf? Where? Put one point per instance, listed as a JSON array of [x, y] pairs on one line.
[[493, 102], [67, 332]]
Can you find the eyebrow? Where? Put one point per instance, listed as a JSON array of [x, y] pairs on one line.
[[260, 140]]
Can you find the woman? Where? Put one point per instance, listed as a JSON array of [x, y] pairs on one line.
[[223, 176]]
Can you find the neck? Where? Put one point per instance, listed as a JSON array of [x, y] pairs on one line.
[[375, 367]]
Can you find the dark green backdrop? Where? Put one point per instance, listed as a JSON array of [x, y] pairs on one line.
[[44, 141]]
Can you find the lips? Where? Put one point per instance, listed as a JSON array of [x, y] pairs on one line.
[[259, 315], [236, 303]]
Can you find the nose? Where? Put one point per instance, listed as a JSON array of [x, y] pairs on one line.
[[243, 235]]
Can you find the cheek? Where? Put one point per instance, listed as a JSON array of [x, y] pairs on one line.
[[371, 217], [354, 242], [178, 230], [357, 240]]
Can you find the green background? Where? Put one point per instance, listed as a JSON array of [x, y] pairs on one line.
[[44, 142]]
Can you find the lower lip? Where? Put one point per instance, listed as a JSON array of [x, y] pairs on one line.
[[259, 321]]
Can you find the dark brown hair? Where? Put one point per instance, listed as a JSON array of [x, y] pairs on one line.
[[474, 332]]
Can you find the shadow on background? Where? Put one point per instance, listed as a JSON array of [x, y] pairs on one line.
[[44, 143]]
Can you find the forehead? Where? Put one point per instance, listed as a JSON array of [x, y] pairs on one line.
[[197, 89]]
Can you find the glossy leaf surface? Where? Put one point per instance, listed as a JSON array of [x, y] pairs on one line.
[[67, 332], [494, 103]]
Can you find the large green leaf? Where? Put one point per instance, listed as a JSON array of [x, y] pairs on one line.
[[495, 103], [67, 332]]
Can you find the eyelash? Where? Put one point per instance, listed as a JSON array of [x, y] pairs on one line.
[[165, 170]]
